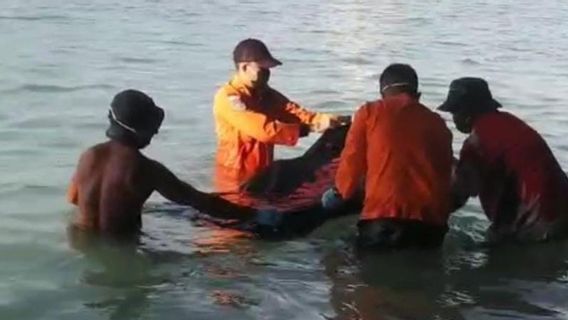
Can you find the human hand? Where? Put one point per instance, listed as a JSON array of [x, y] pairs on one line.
[[331, 199], [305, 130], [268, 217], [339, 121], [330, 121]]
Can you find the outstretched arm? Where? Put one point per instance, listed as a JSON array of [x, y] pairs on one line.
[[255, 124], [317, 121], [173, 189], [466, 178]]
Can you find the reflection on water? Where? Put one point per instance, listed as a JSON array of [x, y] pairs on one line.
[[462, 284], [323, 277], [118, 264], [134, 270]]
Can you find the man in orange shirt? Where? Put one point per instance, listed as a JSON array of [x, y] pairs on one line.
[[251, 118], [402, 152]]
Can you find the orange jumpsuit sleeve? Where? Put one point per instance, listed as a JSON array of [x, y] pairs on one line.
[[255, 124], [353, 161], [303, 115]]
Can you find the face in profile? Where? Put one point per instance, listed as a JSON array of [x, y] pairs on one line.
[[463, 122], [144, 138], [254, 74]]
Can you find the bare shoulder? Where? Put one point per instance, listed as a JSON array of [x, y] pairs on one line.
[[103, 154], [90, 156]]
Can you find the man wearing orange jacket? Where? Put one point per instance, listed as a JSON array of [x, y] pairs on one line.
[[402, 152], [251, 117]]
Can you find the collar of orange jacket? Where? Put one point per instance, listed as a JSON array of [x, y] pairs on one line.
[[400, 99], [242, 88]]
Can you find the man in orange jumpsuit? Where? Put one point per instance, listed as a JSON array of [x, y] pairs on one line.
[[251, 117], [402, 153]]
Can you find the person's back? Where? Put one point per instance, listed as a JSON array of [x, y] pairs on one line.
[[403, 153], [523, 189], [112, 184], [409, 157]]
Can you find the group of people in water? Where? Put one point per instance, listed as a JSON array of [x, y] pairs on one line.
[[398, 155]]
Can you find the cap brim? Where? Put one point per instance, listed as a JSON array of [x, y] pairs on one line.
[[447, 107], [269, 63], [496, 104]]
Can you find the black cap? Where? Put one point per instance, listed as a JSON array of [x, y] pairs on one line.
[[253, 50], [133, 109], [469, 94]]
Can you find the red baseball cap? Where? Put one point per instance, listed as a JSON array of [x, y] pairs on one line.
[[254, 50]]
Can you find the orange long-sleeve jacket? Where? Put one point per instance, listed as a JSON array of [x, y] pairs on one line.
[[403, 153], [248, 125]]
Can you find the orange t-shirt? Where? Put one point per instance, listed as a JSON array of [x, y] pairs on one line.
[[403, 153]]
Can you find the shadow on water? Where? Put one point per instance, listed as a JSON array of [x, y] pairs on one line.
[[450, 283], [172, 251], [462, 280], [121, 267]]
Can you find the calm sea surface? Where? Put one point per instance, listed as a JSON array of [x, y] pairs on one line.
[[62, 61]]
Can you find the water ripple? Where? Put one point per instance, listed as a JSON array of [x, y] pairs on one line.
[[49, 88], [42, 18]]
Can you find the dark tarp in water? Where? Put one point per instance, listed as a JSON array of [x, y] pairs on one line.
[[291, 190]]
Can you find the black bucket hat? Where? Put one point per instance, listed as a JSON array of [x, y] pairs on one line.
[[469, 94], [136, 112]]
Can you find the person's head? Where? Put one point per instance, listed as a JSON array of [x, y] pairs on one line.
[[134, 118], [253, 62], [467, 98], [399, 78]]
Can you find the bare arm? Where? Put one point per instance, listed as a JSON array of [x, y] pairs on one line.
[[176, 190], [465, 178]]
